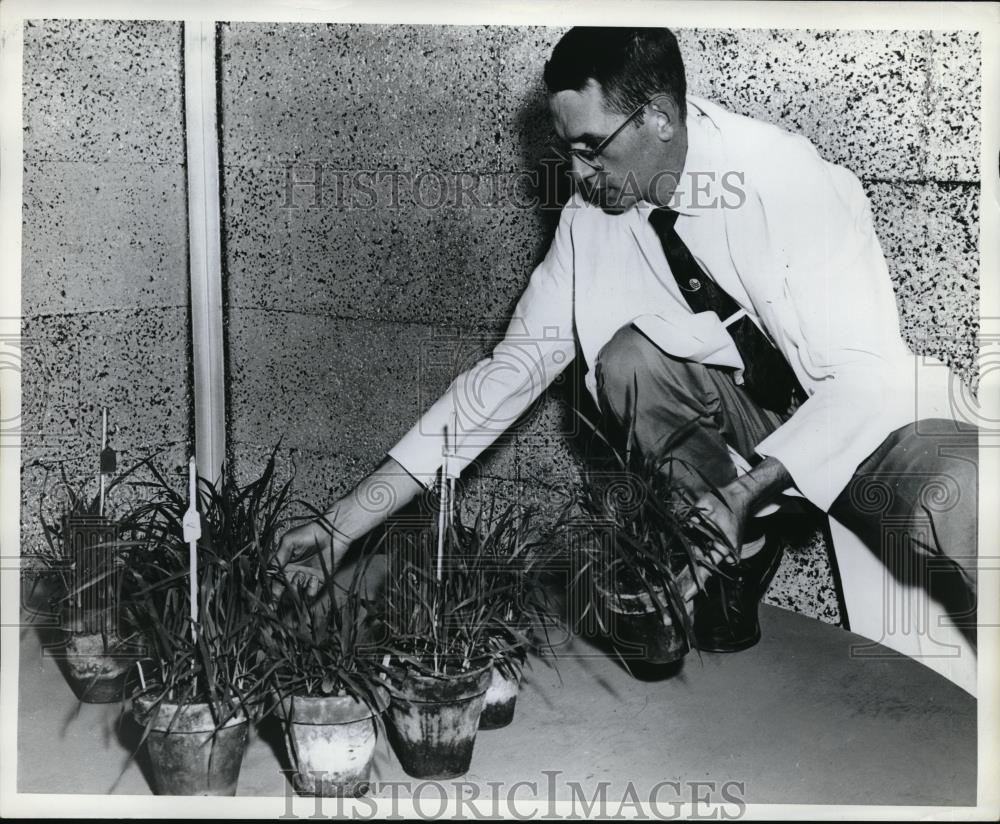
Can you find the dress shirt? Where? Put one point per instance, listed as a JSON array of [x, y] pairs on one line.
[[787, 234]]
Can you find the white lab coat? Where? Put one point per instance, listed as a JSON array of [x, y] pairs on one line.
[[806, 265]]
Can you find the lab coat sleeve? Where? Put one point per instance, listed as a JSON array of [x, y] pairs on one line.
[[490, 396]]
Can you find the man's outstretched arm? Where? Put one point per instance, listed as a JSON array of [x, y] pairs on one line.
[[477, 408], [306, 550]]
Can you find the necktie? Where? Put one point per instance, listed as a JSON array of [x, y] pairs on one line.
[[767, 377]]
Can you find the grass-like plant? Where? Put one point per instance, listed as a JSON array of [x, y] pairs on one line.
[[321, 646], [217, 660], [484, 604], [91, 573], [519, 557], [635, 530]]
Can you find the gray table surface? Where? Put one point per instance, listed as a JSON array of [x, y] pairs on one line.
[[793, 720]]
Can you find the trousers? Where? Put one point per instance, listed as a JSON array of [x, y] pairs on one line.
[[913, 501]]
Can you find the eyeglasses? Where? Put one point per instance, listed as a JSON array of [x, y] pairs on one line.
[[591, 157]]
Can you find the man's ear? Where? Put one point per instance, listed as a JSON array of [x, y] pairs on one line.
[[665, 118]]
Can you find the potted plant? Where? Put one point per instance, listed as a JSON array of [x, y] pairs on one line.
[[199, 602], [327, 687], [505, 683], [515, 556], [456, 616], [640, 540], [81, 564], [435, 621]]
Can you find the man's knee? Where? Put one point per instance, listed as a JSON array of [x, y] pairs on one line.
[[939, 461], [630, 361], [922, 482]]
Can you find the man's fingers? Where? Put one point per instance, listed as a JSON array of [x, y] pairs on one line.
[[288, 548], [710, 560]]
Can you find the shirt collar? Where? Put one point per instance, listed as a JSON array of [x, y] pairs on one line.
[[702, 156]]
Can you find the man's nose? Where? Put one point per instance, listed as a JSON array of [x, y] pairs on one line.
[[583, 171]]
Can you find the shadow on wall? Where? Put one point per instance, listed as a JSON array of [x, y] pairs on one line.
[[553, 184]]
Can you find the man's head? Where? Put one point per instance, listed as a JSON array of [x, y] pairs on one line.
[[601, 80]]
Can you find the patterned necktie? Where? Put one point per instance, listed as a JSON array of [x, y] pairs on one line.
[[767, 377]]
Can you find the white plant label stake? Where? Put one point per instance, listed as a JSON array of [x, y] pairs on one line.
[[108, 458], [104, 445], [449, 473], [192, 532], [442, 507]]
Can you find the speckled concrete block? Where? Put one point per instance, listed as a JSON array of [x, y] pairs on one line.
[[859, 96], [291, 247], [547, 441], [930, 237], [103, 90], [101, 235], [955, 91], [519, 240], [49, 354], [134, 362], [104, 281], [410, 264], [488, 493], [361, 96], [318, 478], [804, 581], [257, 251], [323, 383], [523, 113]]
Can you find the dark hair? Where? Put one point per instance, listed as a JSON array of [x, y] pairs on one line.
[[630, 64]]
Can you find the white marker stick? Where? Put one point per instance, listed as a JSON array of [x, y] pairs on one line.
[[104, 444], [192, 532], [442, 508]]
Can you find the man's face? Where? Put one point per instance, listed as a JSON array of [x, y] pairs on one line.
[[632, 164]]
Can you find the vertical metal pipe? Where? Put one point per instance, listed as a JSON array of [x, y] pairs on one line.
[[204, 228]]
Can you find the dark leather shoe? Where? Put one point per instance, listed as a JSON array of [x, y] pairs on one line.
[[725, 614]]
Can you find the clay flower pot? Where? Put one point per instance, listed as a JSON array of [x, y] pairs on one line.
[[331, 743], [95, 676], [642, 631], [189, 756], [501, 695], [435, 719]]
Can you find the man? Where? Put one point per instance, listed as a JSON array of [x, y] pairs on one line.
[[712, 267]]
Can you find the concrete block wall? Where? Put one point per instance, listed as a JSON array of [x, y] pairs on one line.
[[104, 279], [332, 305]]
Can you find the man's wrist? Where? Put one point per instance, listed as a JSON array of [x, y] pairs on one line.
[[762, 484], [376, 497], [347, 519]]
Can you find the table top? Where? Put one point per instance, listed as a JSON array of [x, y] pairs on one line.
[[796, 719]]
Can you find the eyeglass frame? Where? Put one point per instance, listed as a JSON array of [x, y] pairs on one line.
[[590, 157]]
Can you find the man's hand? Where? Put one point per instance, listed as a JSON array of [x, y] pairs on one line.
[[728, 512], [310, 552]]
